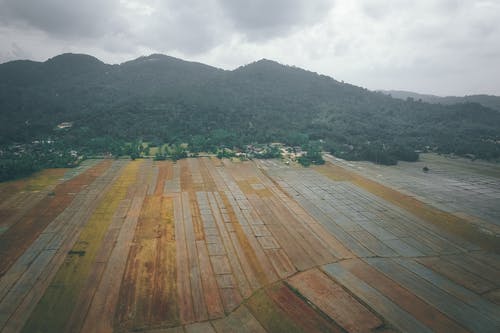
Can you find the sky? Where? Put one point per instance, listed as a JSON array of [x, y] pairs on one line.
[[442, 47]]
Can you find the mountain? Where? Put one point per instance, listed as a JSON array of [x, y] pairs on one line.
[[158, 98], [489, 101]]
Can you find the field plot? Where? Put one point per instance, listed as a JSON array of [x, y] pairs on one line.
[[148, 296], [468, 189], [17, 197], [402, 257], [208, 245], [35, 210]]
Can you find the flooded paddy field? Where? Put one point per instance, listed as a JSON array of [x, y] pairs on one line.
[[468, 189], [208, 245]]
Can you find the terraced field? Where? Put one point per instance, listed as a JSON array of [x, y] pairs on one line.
[[205, 245]]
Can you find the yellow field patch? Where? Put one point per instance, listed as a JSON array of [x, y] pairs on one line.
[[44, 178]]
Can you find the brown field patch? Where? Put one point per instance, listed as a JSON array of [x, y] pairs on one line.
[[404, 298], [164, 173], [257, 269], [148, 296], [298, 310], [333, 300]]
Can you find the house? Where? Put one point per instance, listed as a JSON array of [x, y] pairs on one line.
[[64, 125]]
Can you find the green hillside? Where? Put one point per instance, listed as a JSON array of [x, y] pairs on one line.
[[162, 99]]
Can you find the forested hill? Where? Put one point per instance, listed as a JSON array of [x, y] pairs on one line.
[[489, 101], [164, 99]]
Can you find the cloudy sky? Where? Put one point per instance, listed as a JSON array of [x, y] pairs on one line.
[[444, 47]]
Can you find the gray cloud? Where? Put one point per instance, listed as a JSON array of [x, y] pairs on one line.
[[194, 26], [89, 18], [262, 19], [381, 9], [189, 26]]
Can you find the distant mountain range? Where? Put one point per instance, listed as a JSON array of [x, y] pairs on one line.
[[159, 98], [489, 101]]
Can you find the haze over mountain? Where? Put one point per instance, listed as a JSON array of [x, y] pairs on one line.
[[447, 47], [490, 101], [159, 98]]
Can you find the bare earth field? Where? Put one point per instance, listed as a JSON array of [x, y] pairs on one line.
[[205, 245]]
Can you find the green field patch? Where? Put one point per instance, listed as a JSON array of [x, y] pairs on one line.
[[271, 317]]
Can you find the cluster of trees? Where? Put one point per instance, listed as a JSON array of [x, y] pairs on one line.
[[23, 160], [377, 152], [174, 152], [225, 153], [177, 152], [12, 168], [312, 155], [134, 149]]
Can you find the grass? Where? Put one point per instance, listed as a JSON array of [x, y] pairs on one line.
[[246, 186], [271, 317], [57, 304], [43, 179], [35, 182]]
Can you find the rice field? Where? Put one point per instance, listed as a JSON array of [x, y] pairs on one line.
[[208, 245]]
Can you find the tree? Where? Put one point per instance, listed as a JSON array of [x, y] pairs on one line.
[[177, 152], [134, 149]]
